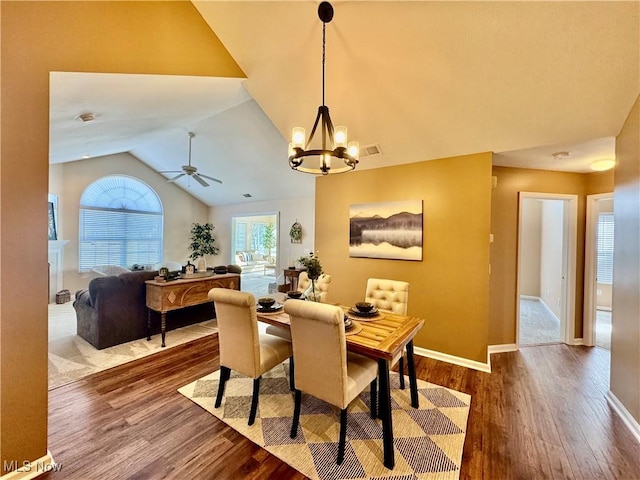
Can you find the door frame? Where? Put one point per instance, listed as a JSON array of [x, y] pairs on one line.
[[569, 256], [590, 266]]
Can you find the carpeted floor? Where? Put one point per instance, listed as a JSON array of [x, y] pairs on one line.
[[72, 358], [603, 329], [537, 325], [428, 441]]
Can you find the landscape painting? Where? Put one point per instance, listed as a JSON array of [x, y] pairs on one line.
[[391, 230]]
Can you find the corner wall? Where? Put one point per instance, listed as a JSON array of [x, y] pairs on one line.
[[625, 337], [449, 287], [37, 38]]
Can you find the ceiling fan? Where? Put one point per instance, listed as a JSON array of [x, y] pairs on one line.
[[191, 171]]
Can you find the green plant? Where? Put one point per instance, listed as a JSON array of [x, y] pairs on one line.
[[296, 233], [314, 270], [269, 240], [202, 241]]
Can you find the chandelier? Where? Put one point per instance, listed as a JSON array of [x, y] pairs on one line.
[[334, 140]]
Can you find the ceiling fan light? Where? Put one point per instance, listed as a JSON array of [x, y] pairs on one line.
[[604, 164]]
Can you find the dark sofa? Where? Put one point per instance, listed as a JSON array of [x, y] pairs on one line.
[[112, 310]]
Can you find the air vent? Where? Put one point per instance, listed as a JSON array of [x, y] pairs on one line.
[[370, 150], [246, 195]]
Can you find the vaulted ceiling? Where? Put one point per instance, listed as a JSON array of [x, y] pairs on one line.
[[421, 80]]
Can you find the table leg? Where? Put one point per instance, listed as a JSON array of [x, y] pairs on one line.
[[163, 325], [385, 413], [148, 324], [413, 383]]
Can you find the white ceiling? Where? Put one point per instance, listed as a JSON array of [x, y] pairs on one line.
[[423, 80]]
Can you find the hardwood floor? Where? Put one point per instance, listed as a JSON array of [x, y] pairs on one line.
[[541, 413]]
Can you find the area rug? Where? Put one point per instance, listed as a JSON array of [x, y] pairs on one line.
[[428, 441]]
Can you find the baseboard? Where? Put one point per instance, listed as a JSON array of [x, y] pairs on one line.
[[623, 413], [578, 341], [530, 297], [550, 312], [445, 357], [506, 347], [27, 470]]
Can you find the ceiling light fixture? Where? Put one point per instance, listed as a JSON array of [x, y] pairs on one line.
[[604, 164], [561, 155], [335, 139], [87, 117]]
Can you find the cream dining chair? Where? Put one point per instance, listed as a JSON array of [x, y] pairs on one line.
[[324, 368], [393, 296], [242, 348]]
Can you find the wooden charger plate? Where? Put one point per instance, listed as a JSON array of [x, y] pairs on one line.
[[357, 328]]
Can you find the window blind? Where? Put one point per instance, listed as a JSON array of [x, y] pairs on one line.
[[120, 223], [604, 270]]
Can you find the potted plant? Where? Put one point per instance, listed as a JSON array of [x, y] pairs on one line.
[[269, 239], [314, 269], [202, 243]]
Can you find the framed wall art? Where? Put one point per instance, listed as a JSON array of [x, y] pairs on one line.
[[391, 230]]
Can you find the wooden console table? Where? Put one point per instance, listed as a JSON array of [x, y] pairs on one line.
[[164, 297]]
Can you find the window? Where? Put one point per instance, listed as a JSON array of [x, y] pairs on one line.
[[120, 223], [257, 237], [241, 236], [604, 273]]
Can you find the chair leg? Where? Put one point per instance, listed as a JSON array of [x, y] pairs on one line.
[[374, 398], [296, 414], [254, 400], [225, 373], [343, 435], [401, 370], [292, 381]]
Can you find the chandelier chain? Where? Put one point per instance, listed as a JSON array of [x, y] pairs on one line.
[[324, 28]]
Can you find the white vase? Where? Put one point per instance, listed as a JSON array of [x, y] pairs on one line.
[[202, 264], [309, 292]]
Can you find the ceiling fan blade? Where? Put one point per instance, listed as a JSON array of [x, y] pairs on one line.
[[200, 180], [171, 171], [211, 178], [175, 178]]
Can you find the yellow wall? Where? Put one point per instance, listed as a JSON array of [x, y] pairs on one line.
[[625, 337], [180, 209], [449, 286], [504, 226], [36, 38]]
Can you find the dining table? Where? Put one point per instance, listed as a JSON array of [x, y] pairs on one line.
[[382, 337]]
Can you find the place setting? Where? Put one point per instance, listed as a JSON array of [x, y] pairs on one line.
[[268, 305], [365, 312]]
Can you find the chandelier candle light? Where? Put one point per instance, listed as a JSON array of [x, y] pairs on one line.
[[333, 138]]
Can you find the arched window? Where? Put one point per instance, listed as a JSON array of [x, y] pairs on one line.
[[120, 223]]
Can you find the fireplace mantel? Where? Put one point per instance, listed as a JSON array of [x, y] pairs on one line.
[[55, 267]]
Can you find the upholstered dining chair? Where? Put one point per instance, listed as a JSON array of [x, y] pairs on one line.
[[242, 347], [393, 296], [321, 287], [324, 368]]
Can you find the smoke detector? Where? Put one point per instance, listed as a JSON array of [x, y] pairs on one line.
[[86, 117]]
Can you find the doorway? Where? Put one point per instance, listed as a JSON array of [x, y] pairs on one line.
[[546, 268], [255, 248], [600, 229]]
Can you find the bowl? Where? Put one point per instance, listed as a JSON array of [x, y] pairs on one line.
[[365, 307], [266, 302], [294, 294]]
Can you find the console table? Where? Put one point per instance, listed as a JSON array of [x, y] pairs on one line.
[[163, 296]]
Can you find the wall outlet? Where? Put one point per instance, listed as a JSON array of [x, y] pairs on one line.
[[598, 292]]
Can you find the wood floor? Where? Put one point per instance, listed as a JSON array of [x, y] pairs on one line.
[[541, 413]]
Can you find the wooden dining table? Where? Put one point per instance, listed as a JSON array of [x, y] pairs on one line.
[[382, 340]]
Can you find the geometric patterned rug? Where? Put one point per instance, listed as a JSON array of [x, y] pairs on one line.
[[428, 441]]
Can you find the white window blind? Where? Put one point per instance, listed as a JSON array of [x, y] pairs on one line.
[[121, 223], [604, 271]]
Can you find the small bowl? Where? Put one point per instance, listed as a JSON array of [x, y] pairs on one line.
[[266, 302], [365, 307], [294, 294]]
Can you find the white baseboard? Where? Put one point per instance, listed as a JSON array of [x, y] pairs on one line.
[[530, 297], [623, 413], [506, 347], [549, 311], [445, 357], [578, 341], [28, 470]]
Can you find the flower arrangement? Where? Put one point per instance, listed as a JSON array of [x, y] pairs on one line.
[[314, 270]]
